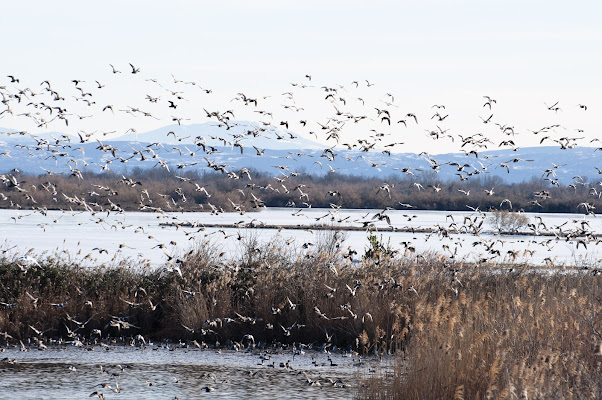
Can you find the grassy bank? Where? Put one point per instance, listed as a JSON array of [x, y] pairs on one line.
[[460, 331]]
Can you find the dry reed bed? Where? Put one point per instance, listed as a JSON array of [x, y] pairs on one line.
[[504, 336], [462, 331]]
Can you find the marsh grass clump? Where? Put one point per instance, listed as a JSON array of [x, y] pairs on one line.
[[377, 248], [47, 296]]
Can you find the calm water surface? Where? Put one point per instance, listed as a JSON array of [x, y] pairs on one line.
[[66, 372]]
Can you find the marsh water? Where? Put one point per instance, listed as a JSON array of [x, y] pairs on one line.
[[168, 372], [143, 237]]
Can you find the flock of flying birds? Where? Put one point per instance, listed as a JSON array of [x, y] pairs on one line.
[[384, 124], [384, 127]]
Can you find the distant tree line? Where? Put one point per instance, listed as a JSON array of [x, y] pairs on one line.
[[157, 189]]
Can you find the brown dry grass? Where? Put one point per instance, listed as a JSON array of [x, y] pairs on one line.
[[504, 336]]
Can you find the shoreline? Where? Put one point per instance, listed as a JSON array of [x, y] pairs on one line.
[[374, 229]]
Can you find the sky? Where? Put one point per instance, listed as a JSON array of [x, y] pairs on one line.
[[525, 54]]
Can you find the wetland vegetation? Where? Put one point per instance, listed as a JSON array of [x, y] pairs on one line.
[[459, 330]]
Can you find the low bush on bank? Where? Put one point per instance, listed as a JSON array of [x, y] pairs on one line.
[[508, 221]]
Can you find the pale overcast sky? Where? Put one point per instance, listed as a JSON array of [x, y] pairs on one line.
[[523, 53]]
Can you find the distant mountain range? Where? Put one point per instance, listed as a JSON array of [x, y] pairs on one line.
[[271, 138], [279, 149]]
